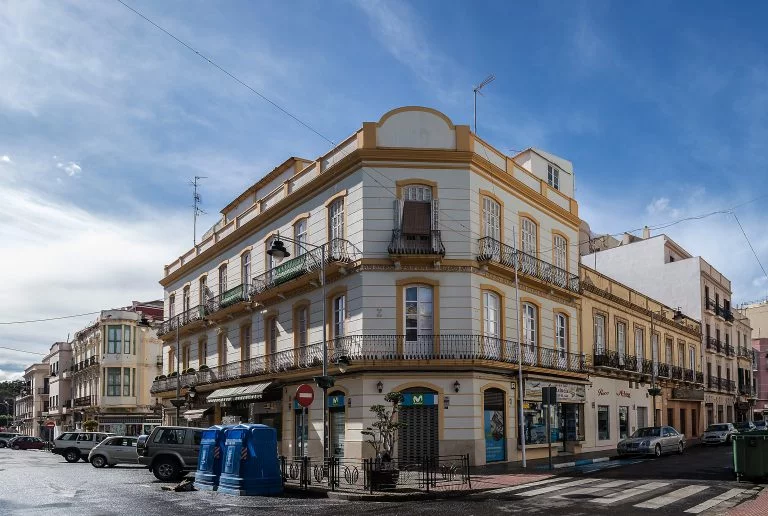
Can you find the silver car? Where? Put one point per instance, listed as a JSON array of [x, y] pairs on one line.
[[654, 440], [114, 450], [719, 433]]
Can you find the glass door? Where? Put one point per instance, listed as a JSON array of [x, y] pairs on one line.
[[419, 324], [623, 422]]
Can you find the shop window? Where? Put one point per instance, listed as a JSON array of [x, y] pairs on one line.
[[603, 423], [337, 423], [623, 422], [494, 418]]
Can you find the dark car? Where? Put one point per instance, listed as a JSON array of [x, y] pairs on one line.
[[27, 443], [744, 426], [170, 451]]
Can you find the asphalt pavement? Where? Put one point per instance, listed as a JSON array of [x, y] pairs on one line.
[[699, 482]]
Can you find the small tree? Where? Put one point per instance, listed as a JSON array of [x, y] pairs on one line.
[[90, 425], [382, 433]]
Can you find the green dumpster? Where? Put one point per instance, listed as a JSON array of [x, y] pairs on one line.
[[750, 454]]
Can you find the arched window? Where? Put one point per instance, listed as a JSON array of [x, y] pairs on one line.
[[421, 193], [561, 334], [491, 219], [561, 252], [528, 236]]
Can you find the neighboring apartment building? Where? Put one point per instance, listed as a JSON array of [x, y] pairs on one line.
[[757, 313], [422, 226], [59, 360], [638, 343], [760, 366], [31, 406], [664, 270], [114, 361]]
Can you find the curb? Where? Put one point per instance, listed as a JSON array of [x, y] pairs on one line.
[[582, 462]]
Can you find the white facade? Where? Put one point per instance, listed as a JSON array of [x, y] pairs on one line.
[[59, 360]]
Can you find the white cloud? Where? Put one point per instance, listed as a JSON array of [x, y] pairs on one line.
[[10, 375], [5, 158], [72, 169], [657, 205]]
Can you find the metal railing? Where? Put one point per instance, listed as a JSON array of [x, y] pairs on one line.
[[84, 401], [196, 313], [228, 298], [407, 243], [491, 249], [728, 349], [714, 344], [385, 347]]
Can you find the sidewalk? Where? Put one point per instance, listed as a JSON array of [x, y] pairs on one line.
[[756, 507]]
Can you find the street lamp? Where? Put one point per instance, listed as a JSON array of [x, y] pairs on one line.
[[654, 390], [279, 252]]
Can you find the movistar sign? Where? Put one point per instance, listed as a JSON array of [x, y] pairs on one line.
[[336, 401], [414, 399]]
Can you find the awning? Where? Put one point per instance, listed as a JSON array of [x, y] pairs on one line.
[[246, 392], [192, 415]]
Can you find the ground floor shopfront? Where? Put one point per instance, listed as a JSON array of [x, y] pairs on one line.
[[718, 408], [683, 410]]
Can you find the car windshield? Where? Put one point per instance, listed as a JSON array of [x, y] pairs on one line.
[[717, 428], [647, 432], [744, 424]]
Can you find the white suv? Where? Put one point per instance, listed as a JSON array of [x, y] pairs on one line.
[[74, 446]]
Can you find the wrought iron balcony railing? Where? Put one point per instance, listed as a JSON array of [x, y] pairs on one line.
[[714, 344], [228, 298], [196, 313], [688, 375], [728, 349], [728, 385], [713, 382], [728, 314], [699, 377], [677, 372], [385, 347], [491, 249], [407, 243]]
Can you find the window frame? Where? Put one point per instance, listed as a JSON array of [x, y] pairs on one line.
[[420, 328], [336, 210], [561, 333], [491, 312], [529, 231], [599, 339], [492, 222], [560, 251], [245, 267], [114, 382], [553, 176], [222, 278], [300, 236], [338, 315], [530, 325]]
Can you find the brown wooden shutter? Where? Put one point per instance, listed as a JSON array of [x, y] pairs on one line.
[[417, 218]]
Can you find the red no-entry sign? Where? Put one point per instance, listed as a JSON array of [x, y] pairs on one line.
[[305, 395], [50, 424]]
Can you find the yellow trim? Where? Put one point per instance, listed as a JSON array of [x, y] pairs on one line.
[[485, 193], [400, 285], [340, 290], [440, 404], [299, 217], [403, 109], [402, 183], [335, 196]]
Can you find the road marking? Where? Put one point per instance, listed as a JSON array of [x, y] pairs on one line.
[[593, 490], [524, 486], [557, 487], [672, 497], [703, 506], [623, 495]]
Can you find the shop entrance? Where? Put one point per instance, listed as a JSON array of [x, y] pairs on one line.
[[419, 437], [494, 418], [337, 417]]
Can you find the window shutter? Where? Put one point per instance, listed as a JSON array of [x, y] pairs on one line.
[[398, 212]]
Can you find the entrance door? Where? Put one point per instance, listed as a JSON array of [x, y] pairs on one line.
[[337, 423], [494, 417], [419, 438], [299, 441], [642, 417], [419, 324], [623, 422]]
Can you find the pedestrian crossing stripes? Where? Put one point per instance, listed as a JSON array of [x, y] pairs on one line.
[[650, 495]]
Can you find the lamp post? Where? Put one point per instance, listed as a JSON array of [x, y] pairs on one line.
[[279, 252], [654, 390]]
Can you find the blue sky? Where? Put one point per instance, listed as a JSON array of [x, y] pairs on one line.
[[663, 109]]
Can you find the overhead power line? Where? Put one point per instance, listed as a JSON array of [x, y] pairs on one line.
[[51, 318], [23, 351]]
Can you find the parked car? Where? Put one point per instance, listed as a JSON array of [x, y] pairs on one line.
[[171, 451], [7, 436], [718, 433], [74, 446], [654, 440], [744, 426], [26, 442], [112, 451], [761, 425]]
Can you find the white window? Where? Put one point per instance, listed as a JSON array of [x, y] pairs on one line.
[[639, 347], [222, 279], [269, 260], [336, 219], [553, 177], [491, 219], [418, 312], [300, 237], [185, 299], [530, 331], [600, 334], [171, 306], [528, 235], [339, 313], [561, 252], [418, 193], [203, 293], [272, 337], [245, 262], [491, 305], [692, 358], [621, 340], [302, 326], [561, 334]]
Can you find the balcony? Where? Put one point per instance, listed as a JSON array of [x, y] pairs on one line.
[[727, 314], [428, 244], [744, 352], [677, 372], [714, 345], [43, 391], [380, 349], [623, 361], [713, 382], [729, 351], [491, 250], [84, 401], [183, 319]]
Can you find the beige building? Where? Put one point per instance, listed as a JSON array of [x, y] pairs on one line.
[[422, 225], [638, 343], [59, 360], [31, 405], [757, 313]]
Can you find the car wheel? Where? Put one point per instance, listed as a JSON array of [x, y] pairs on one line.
[[15, 447], [166, 469], [657, 450], [72, 455], [680, 448], [98, 461]]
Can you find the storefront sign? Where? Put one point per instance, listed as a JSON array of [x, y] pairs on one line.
[[413, 399], [602, 392], [623, 394], [680, 393], [566, 392], [494, 435], [336, 401]]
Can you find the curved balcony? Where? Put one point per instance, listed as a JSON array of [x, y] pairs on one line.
[[185, 318], [416, 244], [492, 250]]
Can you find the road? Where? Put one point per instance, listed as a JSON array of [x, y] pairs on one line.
[[699, 482]]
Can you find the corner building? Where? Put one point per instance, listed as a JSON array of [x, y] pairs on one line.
[[423, 225]]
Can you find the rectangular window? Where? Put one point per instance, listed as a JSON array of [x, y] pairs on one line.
[[245, 265], [171, 306], [530, 334], [621, 340], [222, 279], [561, 334], [603, 423], [491, 219], [272, 337], [300, 237], [336, 219], [202, 295], [127, 340], [302, 326], [185, 357], [133, 382], [202, 352], [600, 334], [692, 358], [113, 381], [491, 314], [221, 348], [561, 252], [338, 316], [668, 352], [681, 355], [245, 344], [126, 381], [269, 261], [553, 177], [706, 296], [528, 236], [114, 339], [639, 345]]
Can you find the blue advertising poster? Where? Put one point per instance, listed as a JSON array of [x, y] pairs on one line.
[[494, 435]]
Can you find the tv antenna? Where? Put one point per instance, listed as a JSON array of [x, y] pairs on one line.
[[197, 201], [488, 80]]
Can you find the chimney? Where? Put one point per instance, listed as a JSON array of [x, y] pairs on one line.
[[646, 233], [626, 239]]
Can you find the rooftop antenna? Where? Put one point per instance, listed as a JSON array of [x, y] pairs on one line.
[[197, 209], [488, 80]]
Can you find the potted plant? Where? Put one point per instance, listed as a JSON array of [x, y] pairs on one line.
[[162, 377], [90, 425], [191, 370], [382, 435], [173, 375]]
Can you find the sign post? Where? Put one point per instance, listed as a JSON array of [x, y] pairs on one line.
[[305, 395], [549, 398]]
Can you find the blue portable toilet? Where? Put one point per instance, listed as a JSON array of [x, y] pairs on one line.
[[210, 459], [251, 466]]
